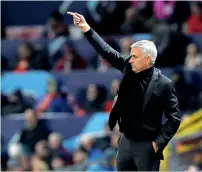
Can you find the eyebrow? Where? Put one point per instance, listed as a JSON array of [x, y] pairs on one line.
[[133, 56]]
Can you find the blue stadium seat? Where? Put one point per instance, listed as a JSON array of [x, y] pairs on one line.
[[32, 83]]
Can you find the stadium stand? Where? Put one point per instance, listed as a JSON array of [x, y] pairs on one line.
[[57, 91]]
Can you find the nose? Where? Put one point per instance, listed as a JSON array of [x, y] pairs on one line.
[[131, 60]]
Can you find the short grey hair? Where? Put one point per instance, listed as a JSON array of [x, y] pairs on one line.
[[148, 48]]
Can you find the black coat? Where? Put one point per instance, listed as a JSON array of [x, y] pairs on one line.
[[160, 97]]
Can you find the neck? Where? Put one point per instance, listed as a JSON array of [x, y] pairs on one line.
[[145, 69], [146, 72], [149, 67]]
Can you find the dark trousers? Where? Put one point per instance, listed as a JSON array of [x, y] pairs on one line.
[[136, 155]]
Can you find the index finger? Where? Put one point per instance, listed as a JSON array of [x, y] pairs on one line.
[[71, 13], [79, 15]]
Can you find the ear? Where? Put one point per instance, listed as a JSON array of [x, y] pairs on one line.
[[149, 61]]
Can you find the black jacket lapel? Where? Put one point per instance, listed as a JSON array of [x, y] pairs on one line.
[[151, 87]]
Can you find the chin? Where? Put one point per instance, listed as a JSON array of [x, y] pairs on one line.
[[135, 71]]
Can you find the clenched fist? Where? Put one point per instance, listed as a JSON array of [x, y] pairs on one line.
[[79, 21]]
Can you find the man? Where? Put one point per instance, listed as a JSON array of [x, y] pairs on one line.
[[56, 26], [144, 95], [34, 130]]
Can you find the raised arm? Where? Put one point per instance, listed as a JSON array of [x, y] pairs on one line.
[[115, 58]]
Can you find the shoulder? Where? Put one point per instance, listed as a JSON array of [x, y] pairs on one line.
[[165, 81]]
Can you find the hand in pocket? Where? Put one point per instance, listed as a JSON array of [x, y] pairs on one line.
[[154, 147]]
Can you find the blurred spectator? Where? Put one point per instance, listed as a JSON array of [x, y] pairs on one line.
[[192, 168], [70, 61], [103, 65], [58, 33], [187, 100], [103, 142], [193, 58], [79, 156], [93, 16], [14, 103], [181, 89], [108, 163], [171, 46], [161, 34], [95, 97], [25, 54], [101, 150], [53, 101], [104, 13], [73, 102], [163, 9], [113, 90], [14, 165], [41, 159], [33, 131], [194, 22], [29, 59], [87, 142], [80, 159], [18, 158], [57, 163], [138, 18], [55, 26], [57, 150], [179, 16]]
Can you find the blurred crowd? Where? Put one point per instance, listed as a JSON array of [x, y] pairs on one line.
[[35, 147], [174, 49], [28, 58], [92, 99], [142, 16], [169, 22]]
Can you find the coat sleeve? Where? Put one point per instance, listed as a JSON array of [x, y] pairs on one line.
[[115, 58], [172, 114]]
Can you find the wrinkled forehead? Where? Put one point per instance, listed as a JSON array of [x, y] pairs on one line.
[[136, 51]]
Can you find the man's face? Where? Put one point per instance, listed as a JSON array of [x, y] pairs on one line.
[[114, 86], [24, 51], [138, 60], [192, 49], [79, 157], [91, 92], [54, 142], [41, 149], [30, 118]]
